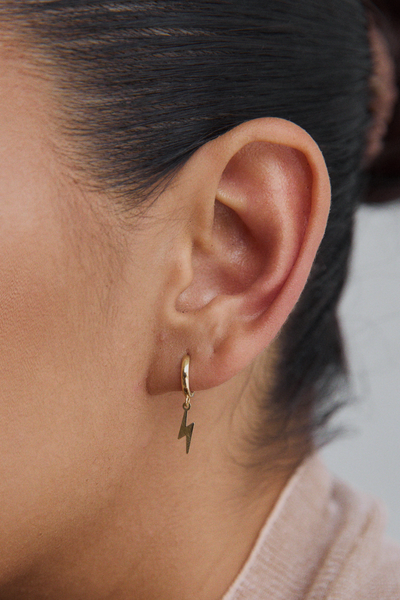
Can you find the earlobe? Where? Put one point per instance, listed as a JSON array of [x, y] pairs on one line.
[[270, 202]]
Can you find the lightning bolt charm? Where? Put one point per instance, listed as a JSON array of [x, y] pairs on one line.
[[186, 430]]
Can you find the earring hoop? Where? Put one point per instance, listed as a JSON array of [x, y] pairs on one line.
[[186, 430], [185, 380]]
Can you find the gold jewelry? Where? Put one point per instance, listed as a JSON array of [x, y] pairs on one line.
[[186, 430]]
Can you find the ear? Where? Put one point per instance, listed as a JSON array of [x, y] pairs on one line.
[[255, 203]]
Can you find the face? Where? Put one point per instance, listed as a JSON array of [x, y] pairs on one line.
[[75, 308]]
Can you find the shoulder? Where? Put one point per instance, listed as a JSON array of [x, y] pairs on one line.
[[324, 540], [360, 561]]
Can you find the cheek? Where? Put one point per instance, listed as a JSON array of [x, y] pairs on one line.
[[66, 415], [72, 343]]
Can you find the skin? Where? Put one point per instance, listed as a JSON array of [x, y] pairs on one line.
[[99, 500]]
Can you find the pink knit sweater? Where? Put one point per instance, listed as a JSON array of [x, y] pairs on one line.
[[323, 540]]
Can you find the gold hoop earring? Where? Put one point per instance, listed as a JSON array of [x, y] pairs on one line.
[[186, 430]]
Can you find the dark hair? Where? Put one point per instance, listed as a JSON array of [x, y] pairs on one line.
[[385, 170], [146, 83]]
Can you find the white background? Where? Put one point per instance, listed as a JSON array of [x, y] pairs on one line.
[[369, 456]]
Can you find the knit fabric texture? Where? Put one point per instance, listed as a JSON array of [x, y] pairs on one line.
[[323, 540]]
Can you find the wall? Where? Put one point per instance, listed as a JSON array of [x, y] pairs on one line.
[[369, 456]]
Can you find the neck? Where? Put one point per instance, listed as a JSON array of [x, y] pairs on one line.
[[178, 527]]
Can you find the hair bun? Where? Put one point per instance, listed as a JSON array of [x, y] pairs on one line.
[[385, 164]]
